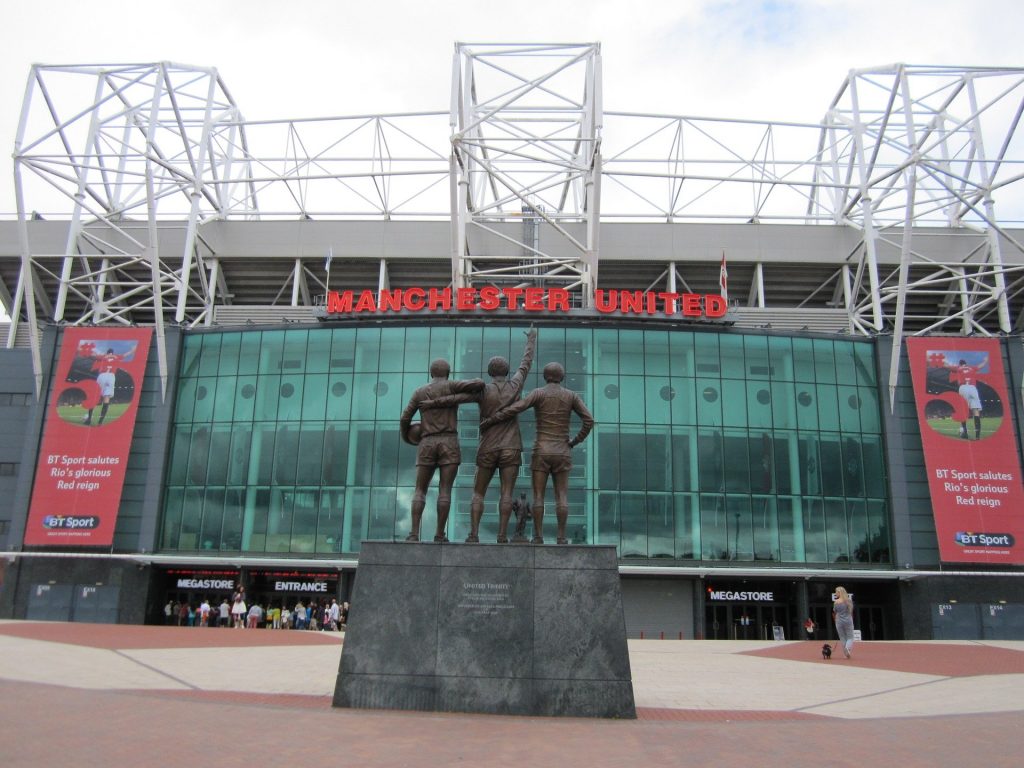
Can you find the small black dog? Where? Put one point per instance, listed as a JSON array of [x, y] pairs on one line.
[[826, 651]]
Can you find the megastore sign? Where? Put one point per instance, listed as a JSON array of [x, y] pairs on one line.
[[542, 300], [750, 597]]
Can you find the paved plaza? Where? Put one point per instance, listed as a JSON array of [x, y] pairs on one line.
[[116, 695]]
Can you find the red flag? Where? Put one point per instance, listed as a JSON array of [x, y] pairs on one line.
[[723, 280]]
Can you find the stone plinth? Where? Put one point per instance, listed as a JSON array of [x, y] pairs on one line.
[[500, 629]]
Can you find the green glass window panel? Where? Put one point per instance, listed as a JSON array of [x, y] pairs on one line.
[[850, 407], [213, 519], [177, 472], [199, 456], [656, 353], [220, 454], [608, 519], [262, 455], [357, 504], [761, 462], [633, 525], [314, 397], [606, 440], [249, 353], [606, 352], [234, 508], [837, 536], [271, 352], [245, 397], [824, 362], [392, 349], [809, 472], [343, 350], [550, 349], [709, 402], [631, 400], [814, 531], [853, 467], [318, 351], [869, 410], [733, 364], [224, 400], [873, 467], [255, 519], [857, 518], [498, 342], [661, 525], [780, 358], [659, 395], [268, 395], [230, 349], [289, 407], [737, 462], [329, 523], [382, 515], [759, 404], [831, 465], [632, 461], [385, 469], [309, 467], [734, 403], [687, 519], [714, 534], [684, 404], [469, 362], [659, 459], [739, 525], [783, 405], [171, 525], [186, 403], [755, 350], [577, 527], [388, 392], [339, 396], [684, 459], [286, 450], [828, 407], [709, 461], [442, 345], [765, 523], [241, 446], [416, 354], [190, 352], [681, 350], [306, 510], [791, 527], [785, 462], [336, 454], [607, 397], [364, 394], [209, 360], [293, 358], [361, 453], [407, 463], [846, 362], [878, 525], [206, 389], [579, 350], [279, 520], [706, 352], [866, 369], [806, 406], [803, 360], [191, 518]]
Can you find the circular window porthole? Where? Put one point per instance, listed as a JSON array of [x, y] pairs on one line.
[[612, 392], [339, 389], [764, 396], [667, 393], [710, 394], [287, 390], [380, 389], [248, 391], [201, 393], [804, 398], [854, 402]]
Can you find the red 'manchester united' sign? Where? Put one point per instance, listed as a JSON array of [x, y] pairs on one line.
[[535, 299]]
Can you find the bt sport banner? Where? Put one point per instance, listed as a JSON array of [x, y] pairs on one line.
[[86, 437], [970, 448]]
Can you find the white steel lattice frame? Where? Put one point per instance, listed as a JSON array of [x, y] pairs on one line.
[[152, 147]]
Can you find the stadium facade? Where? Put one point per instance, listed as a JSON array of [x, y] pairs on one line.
[[215, 324]]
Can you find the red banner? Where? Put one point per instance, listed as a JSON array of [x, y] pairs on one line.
[[970, 448], [86, 437]]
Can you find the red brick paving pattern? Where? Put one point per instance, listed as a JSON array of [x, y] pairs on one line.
[[941, 659]]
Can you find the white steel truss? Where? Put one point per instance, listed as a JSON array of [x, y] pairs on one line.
[[140, 159]]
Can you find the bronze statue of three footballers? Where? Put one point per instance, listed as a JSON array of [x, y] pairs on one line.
[[501, 444]]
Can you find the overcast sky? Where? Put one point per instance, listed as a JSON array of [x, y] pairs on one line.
[[780, 60]]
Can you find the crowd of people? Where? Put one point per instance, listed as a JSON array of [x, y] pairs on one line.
[[328, 615]]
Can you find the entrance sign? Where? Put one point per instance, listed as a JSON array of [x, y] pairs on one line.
[[970, 448], [86, 436]]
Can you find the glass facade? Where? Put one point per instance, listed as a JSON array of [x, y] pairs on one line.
[[709, 446]]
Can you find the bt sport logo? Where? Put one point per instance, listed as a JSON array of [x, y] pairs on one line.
[[71, 522], [968, 539]]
